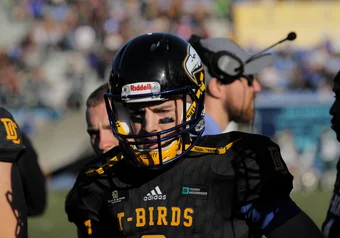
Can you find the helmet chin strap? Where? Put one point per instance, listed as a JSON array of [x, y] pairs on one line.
[[196, 149]]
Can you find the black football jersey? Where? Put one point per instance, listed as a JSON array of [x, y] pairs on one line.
[[197, 196]]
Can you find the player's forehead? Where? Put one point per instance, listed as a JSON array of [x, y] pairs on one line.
[[150, 105]]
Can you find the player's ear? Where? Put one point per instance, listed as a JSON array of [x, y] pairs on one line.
[[215, 88]]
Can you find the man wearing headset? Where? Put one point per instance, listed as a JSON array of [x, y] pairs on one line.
[[230, 95]]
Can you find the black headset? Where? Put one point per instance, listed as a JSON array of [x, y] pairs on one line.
[[223, 65]]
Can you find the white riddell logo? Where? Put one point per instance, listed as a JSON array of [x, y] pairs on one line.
[[155, 194]]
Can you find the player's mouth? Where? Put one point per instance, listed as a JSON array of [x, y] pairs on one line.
[[154, 146], [335, 123]]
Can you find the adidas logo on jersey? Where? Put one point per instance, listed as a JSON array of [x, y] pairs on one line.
[[155, 194]]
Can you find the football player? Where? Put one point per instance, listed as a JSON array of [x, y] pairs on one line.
[[102, 140], [331, 226], [168, 180], [13, 219]]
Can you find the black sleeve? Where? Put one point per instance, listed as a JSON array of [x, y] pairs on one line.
[[260, 170], [300, 226], [331, 225], [32, 179], [83, 201]]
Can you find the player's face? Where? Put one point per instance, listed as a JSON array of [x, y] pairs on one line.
[[240, 100], [154, 117], [99, 130], [335, 111]]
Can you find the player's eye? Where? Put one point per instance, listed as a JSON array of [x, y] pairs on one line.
[[161, 111], [137, 117]]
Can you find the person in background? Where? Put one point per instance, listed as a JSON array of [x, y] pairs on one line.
[[13, 219], [230, 96], [102, 140], [98, 126], [331, 225]]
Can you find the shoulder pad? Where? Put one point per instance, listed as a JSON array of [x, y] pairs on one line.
[[261, 169]]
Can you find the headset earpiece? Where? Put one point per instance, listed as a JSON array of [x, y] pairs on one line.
[[222, 65]]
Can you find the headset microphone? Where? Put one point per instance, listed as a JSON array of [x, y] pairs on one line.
[[290, 37], [230, 64]]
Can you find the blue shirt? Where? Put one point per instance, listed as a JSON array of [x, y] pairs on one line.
[[211, 126]]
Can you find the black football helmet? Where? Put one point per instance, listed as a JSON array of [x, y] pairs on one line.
[[156, 67]]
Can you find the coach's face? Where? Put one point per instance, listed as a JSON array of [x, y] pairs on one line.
[[240, 100], [335, 110], [99, 130]]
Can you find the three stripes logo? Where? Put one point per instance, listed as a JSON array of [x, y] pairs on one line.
[[155, 194]]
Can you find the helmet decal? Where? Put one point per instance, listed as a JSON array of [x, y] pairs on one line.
[[141, 88], [192, 64]]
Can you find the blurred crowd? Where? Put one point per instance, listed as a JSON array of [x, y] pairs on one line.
[[70, 43], [300, 69]]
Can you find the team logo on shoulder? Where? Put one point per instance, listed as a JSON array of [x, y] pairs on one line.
[[192, 63], [11, 130], [155, 194]]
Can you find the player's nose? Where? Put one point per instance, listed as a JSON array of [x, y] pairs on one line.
[[150, 122], [256, 85]]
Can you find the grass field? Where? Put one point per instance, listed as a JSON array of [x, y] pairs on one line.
[[54, 224]]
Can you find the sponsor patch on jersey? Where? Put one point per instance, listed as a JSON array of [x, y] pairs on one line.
[[116, 197], [195, 191]]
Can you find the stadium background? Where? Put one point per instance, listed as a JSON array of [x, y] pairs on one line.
[[54, 53]]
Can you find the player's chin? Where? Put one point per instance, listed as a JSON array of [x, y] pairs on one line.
[[337, 132]]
